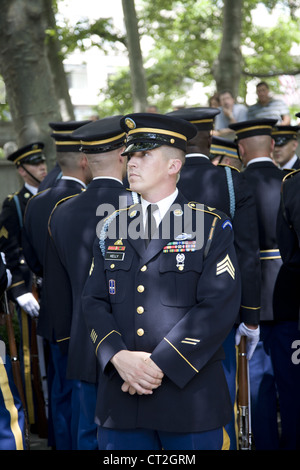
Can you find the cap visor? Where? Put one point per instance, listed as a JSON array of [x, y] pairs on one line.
[[140, 147]]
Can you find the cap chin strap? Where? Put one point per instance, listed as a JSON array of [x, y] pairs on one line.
[[30, 174]]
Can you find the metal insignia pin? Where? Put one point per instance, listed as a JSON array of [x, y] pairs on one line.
[[178, 212], [183, 236], [180, 257], [130, 123]]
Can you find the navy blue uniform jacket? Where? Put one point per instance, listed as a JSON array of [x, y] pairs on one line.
[[34, 239], [265, 180], [286, 294], [36, 217], [177, 305], [11, 222], [202, 181], [72, 227]]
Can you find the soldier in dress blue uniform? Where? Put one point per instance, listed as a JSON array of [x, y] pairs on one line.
[[159, 308], [72, 227], [58, 128], [256, 146], [12, 419], [225, 152], [225, 188], [286, 144], [75, 177], [286, 312], [30, 164]]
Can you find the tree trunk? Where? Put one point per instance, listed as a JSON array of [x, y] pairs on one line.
[[228, 68], [26, 72], [137, 75], [57, 67]]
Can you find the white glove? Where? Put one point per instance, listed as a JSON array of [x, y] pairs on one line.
[[252, 338], [28, 303], [8, 273]]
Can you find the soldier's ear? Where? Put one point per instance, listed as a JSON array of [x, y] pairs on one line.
[[174, 166], [21, 171]]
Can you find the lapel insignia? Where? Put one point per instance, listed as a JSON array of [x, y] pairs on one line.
[[132, 214], [226, 265], [178, 212]]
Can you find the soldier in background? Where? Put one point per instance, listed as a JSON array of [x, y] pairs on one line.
[[286, 144], [286, 300], [256, 145], [12, 419], [75, 177], [225, 152], [225, 188], [31, 166]]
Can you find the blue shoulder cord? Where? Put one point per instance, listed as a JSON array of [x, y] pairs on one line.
[[135, 199], [230, 190], [17, 202]]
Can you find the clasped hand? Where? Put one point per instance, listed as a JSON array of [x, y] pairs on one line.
[[140, 374]]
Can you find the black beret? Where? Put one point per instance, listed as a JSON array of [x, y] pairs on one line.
[[253, 128], [201, 117], [103, 135], [146, 131], [31, 154]]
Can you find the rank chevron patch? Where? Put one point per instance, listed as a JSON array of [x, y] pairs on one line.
[[226, 265]]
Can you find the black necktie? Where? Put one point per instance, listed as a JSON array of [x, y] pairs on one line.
[[150, 226]]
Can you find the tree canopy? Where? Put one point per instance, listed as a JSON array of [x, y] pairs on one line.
[[183, 43]]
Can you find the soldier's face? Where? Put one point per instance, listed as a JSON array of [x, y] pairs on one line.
[[148, 173], [284, 153], [39, 171]]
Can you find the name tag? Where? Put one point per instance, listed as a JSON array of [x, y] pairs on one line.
[[114, 256]]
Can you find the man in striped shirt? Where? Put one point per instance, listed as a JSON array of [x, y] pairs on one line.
[[268, 107]]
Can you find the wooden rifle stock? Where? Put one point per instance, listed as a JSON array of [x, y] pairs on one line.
[[15, 363], [42, 423], [244, 418]]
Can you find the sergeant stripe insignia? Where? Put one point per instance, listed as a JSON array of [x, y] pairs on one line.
[[226, 265], [3, 232]]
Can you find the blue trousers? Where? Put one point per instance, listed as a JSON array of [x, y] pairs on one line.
[[230, 370], [145, 439], [287, 376], [12, 419], [263, 392], [87, 428], [64, 403]]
